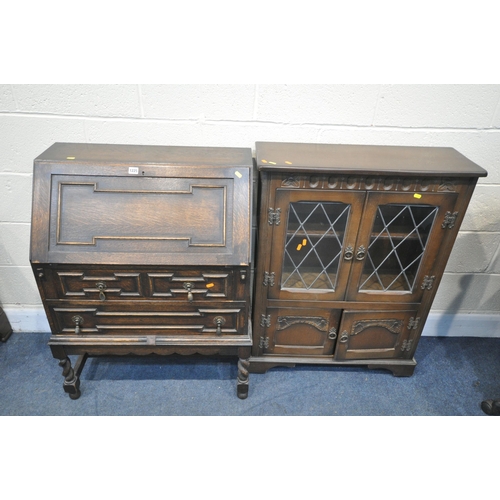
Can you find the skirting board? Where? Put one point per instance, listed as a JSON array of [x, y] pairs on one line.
[[438, 324]]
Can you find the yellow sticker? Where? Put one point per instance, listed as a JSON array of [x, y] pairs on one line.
[[70, 157], [304, 242], [238, 174], [299, 246], [288, 162], [210, 285], [263, 161], [272, 162], [417, 195]]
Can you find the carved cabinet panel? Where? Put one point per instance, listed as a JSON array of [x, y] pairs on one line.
[[375, 334], [352, 240], [306, 331]]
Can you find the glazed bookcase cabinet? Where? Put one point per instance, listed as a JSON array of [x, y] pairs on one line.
[[352, 244], [143, 250]]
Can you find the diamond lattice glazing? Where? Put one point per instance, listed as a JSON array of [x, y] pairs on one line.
[[315, 234], [397, 245]]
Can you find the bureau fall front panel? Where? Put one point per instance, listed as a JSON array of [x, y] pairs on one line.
[[139, 214], [134, 219]]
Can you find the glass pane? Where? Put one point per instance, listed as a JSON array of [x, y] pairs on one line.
[[313, 247], [397, 245]]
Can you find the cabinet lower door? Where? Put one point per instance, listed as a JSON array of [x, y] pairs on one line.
[[375, 334], [299, 331]]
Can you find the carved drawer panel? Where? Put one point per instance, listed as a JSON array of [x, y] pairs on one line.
[[191, 285], [121, 283], [376, 334], [213, 322], [102, 285]]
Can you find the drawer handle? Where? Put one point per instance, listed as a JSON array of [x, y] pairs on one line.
[[189, 286], [77, 320], [344, 337], [101, 286], [219, 321], [332, 334]]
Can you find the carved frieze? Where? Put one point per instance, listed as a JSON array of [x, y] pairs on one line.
[[368, 183]]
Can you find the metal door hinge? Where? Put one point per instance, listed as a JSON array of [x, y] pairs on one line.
[[264, 343], [449, 220], [406, 345], [274, 216], [265, 321], [428, 282], [268, 279], [413, 323]]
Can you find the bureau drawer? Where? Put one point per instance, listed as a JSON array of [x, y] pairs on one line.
[[120, 283], [223, 319]]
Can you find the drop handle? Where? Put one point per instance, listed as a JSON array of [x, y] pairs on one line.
[[189, 286], [101, 286], [77, 320], [219, 321]]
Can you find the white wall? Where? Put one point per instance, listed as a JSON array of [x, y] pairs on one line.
[[466, 117]]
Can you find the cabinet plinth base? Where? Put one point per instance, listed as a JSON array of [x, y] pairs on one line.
[[399, 368]]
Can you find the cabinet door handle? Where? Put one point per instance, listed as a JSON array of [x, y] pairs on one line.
[[360, 254], [189, 286], [348, 253], [344, 337]]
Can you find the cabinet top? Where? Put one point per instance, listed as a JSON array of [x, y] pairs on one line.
[[364, 159], [164, 155]]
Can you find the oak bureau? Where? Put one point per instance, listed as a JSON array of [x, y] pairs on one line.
[[143, 250]]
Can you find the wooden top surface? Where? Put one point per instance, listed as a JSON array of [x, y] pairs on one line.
[[164, 155], [366, 160]]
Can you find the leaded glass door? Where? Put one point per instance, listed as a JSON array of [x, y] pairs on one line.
[[312, 246], [399, 240]]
